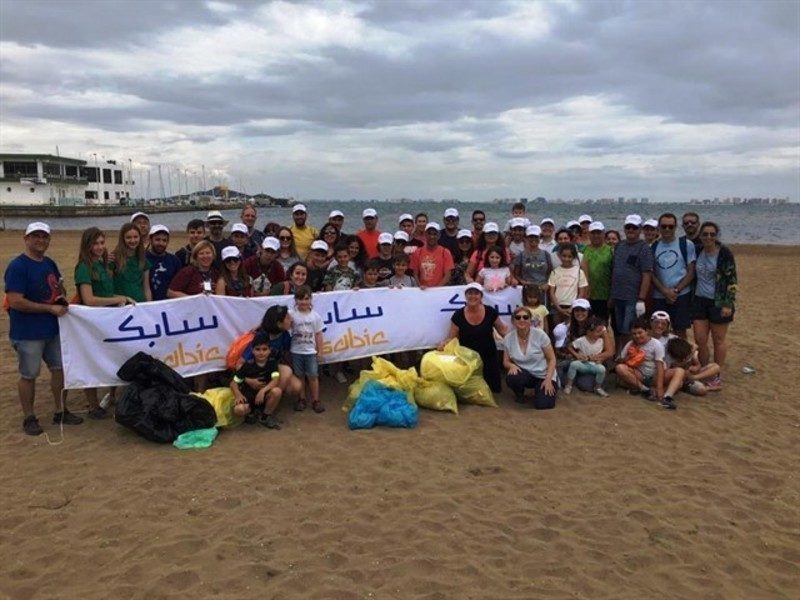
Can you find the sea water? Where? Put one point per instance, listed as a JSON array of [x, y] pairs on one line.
[[740, 224]]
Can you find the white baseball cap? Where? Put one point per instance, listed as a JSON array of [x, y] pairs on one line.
[[230, 252], [240, 228], [633, 220], [571, 224], [462, 233], [547, 220], [650, 223], [516, 222], [319, 245], [37, 226], [158, 229], [474, 286], [584, 218], [136, 215], [451, 212], [213, 215], [404, 217], [533, 230], [401, 235], [369, 212], [336, 213], [597, 226], [271, 243], [385, 238], [660, 315], [491, 227], [581, 303], [560, 334], [432, 225], [299, 208]]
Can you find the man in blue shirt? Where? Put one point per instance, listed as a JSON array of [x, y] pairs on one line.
[[673, 273], [165, 265], [631, 274], [36, 299]]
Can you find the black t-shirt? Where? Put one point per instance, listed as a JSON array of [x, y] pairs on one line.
[[478, 337], [252, 370], [386, 270]]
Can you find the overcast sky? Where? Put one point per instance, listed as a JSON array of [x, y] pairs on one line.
[[422, 99]]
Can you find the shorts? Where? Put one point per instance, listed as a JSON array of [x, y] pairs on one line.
[[305, 365], [704, 309], [31, 353], [679, 311], [624, 315]]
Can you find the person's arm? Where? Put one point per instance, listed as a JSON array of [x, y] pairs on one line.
[[18, 301], [547, 384], [89, 299], [318, 341], [687, 279], [583, 290], [500, 327], [451, 335], [148, 293], [575, 353], [480, 277], [509, 365], [237, 393], [472, 267], [659, 379], [546, 324], [219, 288], [609, 347]]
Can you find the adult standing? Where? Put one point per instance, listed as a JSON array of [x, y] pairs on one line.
[[631, 275], [461, 257], [265, 270], [691, 229], [598, 258], [673, 273], [532, 266], [36, 298], [478, 221], [249, 216], [547, 242], [490, 237], [449, 235], [474, 326], [369, 235], [302, 233], [432, 264], [420, 223], [163, 265], [714, 300], [530, 361], [215, 223], [336, 218], [287, 252], [141, 221]]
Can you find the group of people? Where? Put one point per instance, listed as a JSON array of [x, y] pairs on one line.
[[585, 293]]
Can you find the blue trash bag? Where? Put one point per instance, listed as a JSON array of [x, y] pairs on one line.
[[381, 405]]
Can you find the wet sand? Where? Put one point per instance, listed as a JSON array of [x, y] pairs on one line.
[[598, 498]]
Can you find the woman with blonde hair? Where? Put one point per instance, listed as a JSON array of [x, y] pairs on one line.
[[199, 276]]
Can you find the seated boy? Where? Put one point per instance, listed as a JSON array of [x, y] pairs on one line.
[[640, 365], [255, 386]]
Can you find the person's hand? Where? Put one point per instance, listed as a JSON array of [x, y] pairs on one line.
[[564, 311], [58, 310], [441, 346], [513, 369], [726, 311], [640, 309], [671, 295], [549, 389], [582, 356], [240, 399]]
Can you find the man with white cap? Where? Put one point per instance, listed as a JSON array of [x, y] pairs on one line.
[[597, 260], [584, 220], [164, 265], [240, 237], [36, 298], [215, 223], [449, 235], [317, 264], [336, 218], [265, 270], [142, 222], [406, 223], [631, 276], [369, 235], [432, 264], [546, 242], [385, 258], [515, 243], [303, 234]]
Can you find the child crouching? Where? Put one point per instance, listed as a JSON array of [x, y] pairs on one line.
[[255, 386]]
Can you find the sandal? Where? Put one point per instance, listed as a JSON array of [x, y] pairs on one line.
[[300, 405], [317, 407]]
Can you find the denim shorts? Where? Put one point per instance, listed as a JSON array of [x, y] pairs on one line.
[[31, 353], [305, 365], [624, 315]]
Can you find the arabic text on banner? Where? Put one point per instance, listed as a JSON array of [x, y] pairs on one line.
[[193, 334]]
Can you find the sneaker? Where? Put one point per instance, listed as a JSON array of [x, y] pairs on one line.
[[714, 384], [98, 413], [30, 425], [695, 388], [601, 392], [270, 422], [67, 418], [568, 389], [668, 403], [300, 405], [340, 377], [317, 407]]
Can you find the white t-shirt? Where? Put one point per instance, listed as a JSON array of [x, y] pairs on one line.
[[582, 344], [494, 279], [305, 326], [567, 283], [653, 351]]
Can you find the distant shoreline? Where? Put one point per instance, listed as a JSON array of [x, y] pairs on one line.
[[112, 211]]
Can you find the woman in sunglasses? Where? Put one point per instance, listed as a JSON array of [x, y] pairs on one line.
[[530, 362], [714, 299], [287, 253]]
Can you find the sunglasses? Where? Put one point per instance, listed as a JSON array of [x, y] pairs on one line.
[[232, 259], [329, 233], [285, 238], [709, 234], [667, 227], [522, 317], [689, 223]]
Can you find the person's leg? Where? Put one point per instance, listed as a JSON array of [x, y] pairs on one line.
[[706, 372], [516, 383], [572, 371], [625, 312], [541, 399], [491, 371], [298, 369], [674, 379], [27, 394], [91, 398], [700, 330], [29, 355], [719, 332], [630, 377], [599, 373]]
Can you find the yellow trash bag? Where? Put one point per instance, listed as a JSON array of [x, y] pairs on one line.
[[435, 395], [386, 373], [454, 365], [475, 390], [223, 402]]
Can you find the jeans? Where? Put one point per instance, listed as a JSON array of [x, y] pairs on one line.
[[580, 366], [625, 315], [518, 382]]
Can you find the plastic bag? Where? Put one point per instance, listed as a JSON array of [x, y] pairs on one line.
[[378, 404], [454, 365], [435, 395], [223, 402], [386, 373], [197, 438], [237, 349], [475, 390]]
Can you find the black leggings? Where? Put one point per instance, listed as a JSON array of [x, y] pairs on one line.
[[517, 383]]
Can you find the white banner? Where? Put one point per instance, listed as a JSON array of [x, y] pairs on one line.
[[192, 334]]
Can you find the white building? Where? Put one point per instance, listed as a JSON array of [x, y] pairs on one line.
[[44, 179]]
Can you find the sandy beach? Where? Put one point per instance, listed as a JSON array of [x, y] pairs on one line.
[[609, 498]]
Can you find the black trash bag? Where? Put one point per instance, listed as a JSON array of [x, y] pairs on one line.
[[157, 404]]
